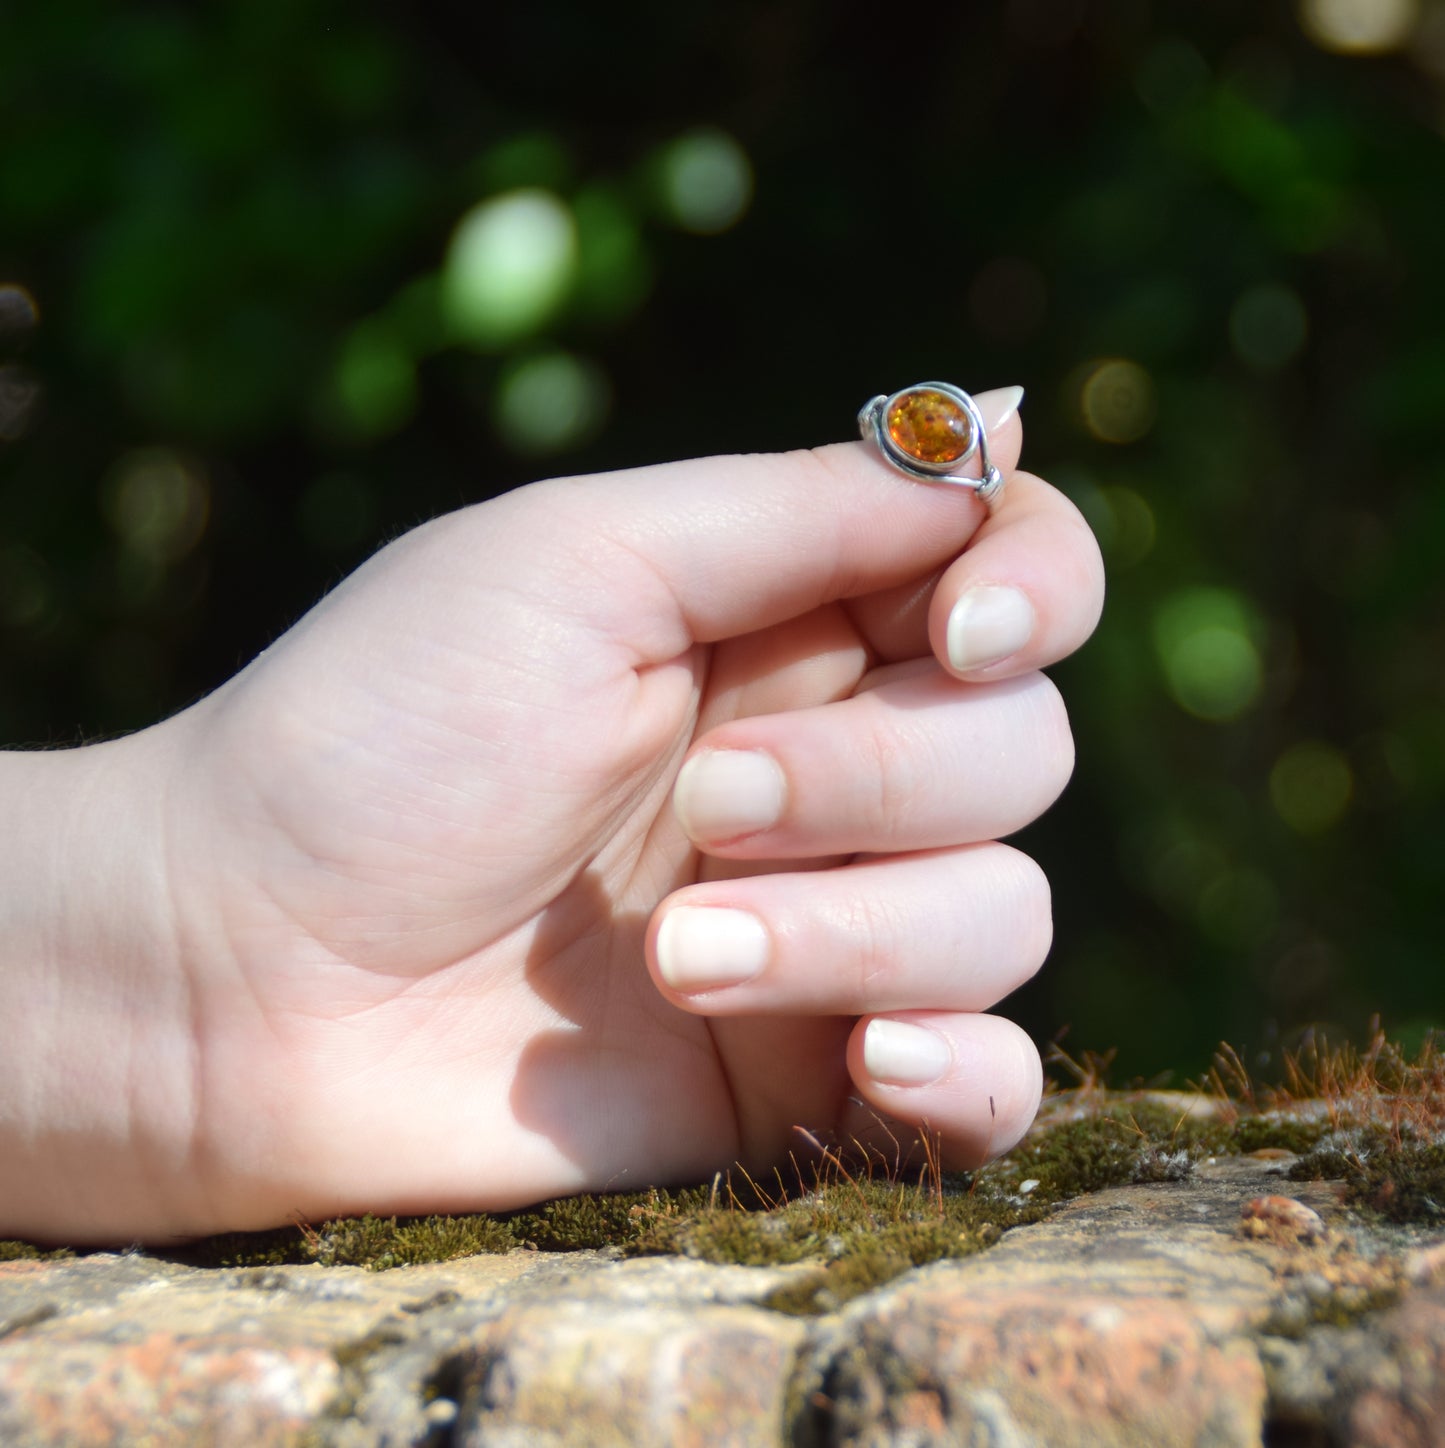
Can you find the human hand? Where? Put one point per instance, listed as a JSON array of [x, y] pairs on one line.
[[424, 931]]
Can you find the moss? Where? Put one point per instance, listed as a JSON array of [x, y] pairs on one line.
[[622, 1219], [281, 1247], [353, 1358], [1275, 1131], [1168, 1128], [1340, 1307], [1159, 1164], [1407, 1185], [864, 1261], [567, 1224], [362, 1349], [1329, 1161], [29, 1252], [830, 1287], [374, 1242], [382, 1242], [1079, 1156], [862, 1232], [1399, 1180], [747, 1238]]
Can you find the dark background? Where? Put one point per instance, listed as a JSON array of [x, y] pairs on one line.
[[239, 348]]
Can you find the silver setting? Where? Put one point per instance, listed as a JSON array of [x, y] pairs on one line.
[[873, 429]]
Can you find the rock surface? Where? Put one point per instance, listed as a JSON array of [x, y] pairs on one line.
[[1233, 1308]]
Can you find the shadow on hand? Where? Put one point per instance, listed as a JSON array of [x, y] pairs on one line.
[[631, 1092]]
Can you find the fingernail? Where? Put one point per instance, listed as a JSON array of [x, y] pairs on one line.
[[728, 793], [707, 948], [987, 624], [998, 404], [900, 1054]]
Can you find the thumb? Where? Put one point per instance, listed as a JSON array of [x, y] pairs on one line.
[[697, 551]]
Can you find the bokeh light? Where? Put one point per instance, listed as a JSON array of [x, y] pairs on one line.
[[1206, 642], [1239, 909], [1122, 518], [614, 271], [1116, 399], [1359, 27], [26, 592], [549, 403], [1310, 786], [1134, 529], [19, 313], [706, 181], [375, 380], [1179, 865], [511, 263], [1268, 326], [158, 502]]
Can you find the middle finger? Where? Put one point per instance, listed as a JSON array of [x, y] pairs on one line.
[[919, 763]]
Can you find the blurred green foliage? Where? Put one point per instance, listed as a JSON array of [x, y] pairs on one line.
[[279, 278]]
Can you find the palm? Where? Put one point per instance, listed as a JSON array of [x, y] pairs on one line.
[[445, 941]]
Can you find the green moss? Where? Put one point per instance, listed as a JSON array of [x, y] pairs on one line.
[[1338, 1308], [1399, 1180], [1080, 1156], [961, 1225], [1408, 1186], [1275, 1131], [622, 1219], [353, 1359], [568, 1224], [29, 1252], [281, 1247], [860, 1231], [382, 1242], [362, 1349], [373, 1242], [1168, 1127]]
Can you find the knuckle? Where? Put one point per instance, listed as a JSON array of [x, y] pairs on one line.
[[869, 927], [892, 760]]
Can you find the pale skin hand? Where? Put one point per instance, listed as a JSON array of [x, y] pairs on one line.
[[382, 925]]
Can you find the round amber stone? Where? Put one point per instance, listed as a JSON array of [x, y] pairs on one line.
[[929, 426]]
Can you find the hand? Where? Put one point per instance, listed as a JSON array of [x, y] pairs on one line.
[[407, 920]]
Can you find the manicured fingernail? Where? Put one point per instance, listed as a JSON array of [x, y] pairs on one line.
[[998, 404], [900, 1054], [987, 624], [727, 793], [706, 949]]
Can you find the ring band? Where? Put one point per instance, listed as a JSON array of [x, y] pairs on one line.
[[930, 431]]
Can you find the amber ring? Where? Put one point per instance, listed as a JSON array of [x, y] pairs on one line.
[[930, 431]]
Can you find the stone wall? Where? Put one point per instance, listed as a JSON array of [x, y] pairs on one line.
[[1231, 1308]]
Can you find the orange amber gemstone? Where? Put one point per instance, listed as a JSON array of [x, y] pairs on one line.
[[929, 426]]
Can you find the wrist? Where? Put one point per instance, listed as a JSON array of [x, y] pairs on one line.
[[94, 1080]]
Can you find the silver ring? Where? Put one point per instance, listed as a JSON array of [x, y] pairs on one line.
[[930, 431]]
